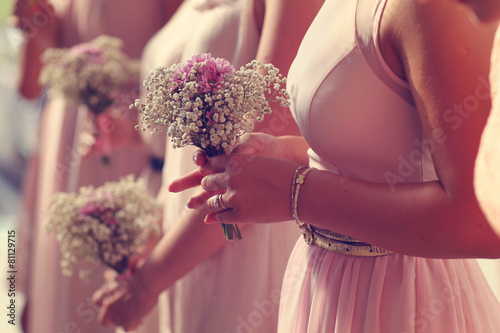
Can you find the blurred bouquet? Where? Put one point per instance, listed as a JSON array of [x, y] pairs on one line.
[[107, 224], [209, 104], [89, 73]]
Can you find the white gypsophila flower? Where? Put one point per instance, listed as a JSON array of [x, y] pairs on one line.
[[207, 103], [107, 224], [89, 73]]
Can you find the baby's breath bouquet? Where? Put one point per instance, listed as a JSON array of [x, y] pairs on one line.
[[89, 73], [209, 104], [107, 224]]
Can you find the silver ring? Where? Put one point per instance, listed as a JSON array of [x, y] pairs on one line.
[[218, 202]]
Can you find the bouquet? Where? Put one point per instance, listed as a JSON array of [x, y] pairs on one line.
[[209, 104], [107, 224], [89, 73]]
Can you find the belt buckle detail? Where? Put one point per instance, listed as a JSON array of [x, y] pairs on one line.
[[308, 234]]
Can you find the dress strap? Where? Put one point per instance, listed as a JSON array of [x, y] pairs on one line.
[[368, 18]]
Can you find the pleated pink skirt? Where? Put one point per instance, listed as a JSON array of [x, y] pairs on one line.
[[328, 292]]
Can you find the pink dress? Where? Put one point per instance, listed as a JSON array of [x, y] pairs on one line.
[[236, 289], [360, 121], [58, 303]]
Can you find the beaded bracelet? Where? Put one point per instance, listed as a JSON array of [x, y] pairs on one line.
[[298, 179]]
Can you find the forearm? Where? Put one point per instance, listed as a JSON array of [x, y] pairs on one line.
[[293, 148], [414, 219], [30, 63], [30, 67], [181, 249]]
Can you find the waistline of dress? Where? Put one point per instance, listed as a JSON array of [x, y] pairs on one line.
[[341, 244]]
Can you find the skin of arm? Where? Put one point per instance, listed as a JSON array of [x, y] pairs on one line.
[[431, 45], [37, 40], [178, 251]]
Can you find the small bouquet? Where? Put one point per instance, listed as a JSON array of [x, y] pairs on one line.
[[89, 73], [209, 104], [107, 224]]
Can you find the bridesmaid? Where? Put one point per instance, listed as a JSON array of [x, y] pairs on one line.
[[382, 91], [57, 303], [193, 262]]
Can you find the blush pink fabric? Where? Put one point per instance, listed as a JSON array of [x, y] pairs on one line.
[[59, 303], [360, 121], [237, 288]]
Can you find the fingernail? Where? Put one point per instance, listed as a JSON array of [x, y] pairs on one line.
[[210, 218]]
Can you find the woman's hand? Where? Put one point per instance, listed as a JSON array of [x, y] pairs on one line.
[[290, 147], [111, 131], [250, 144], [38, 21], [124, 302], [110, 287], [254, 188], [36, 18]]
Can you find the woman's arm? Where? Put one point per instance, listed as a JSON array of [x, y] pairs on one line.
[[169, 8], [178, 251], [445, 57], [37, 38]]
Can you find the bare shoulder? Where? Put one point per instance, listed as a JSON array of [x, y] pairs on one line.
[[445, 57]]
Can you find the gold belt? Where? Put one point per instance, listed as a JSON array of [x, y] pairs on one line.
[[341, 244]]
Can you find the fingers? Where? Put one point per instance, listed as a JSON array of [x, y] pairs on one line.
[[215, 183], [190, 180], [107, 291], [249, 144], [104, 316], [107, 315], [199, 157], [110, 287], [216, 203], [110, 275], [194, 178], [225, 216], [99, 295], [200, 199]]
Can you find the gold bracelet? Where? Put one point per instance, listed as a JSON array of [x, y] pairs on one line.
[[299, 178]]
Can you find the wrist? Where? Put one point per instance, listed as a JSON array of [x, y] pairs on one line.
[[293, 148], [299, 179], [145, 284]]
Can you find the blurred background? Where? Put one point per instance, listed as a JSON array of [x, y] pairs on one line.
[[18, 133], [18, 136]]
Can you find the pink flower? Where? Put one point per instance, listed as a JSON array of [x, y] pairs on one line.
[[89, 209], [223, 66], [181, 74], [111, 220], [93, 53], [210, 116], [209, 81], [198, 58]]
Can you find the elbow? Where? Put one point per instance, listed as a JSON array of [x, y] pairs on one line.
[[489, 249]]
